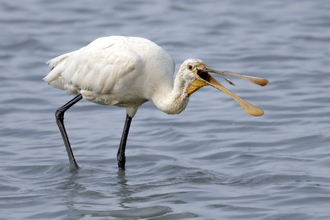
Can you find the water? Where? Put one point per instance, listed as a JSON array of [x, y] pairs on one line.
[[213, 161]]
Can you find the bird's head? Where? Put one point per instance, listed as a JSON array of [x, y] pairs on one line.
[[197, 74]]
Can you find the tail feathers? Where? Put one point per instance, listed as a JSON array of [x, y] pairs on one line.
[[56, 67], [53, 62]]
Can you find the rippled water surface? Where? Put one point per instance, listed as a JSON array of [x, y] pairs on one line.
[[213, 161]]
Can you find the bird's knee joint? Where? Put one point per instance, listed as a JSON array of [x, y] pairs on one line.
[[59, 114]]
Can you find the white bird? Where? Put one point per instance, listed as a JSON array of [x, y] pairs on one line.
[[127, 72]]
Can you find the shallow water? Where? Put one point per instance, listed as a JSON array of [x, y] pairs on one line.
[[213, 161]]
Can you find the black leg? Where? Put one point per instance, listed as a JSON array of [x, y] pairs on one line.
[[121, 158], [59, 114]]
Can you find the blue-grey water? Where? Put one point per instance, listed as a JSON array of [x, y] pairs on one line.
[[213, 161]]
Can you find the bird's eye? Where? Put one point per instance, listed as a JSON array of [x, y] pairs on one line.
[[190, 67]]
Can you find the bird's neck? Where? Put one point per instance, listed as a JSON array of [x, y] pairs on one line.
[[173, 100]]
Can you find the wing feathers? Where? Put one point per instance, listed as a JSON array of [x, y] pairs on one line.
[[96, 67]]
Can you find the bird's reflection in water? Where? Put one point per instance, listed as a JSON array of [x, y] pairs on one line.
[[121, 176], [123, 193], [125, 196]]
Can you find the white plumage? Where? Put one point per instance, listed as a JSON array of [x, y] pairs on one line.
[[111, 71], [129, 71]]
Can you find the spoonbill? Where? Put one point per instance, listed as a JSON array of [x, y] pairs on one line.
[[127, 72]]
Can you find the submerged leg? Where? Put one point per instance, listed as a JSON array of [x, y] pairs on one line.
[[121, 158], [59, 114]]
